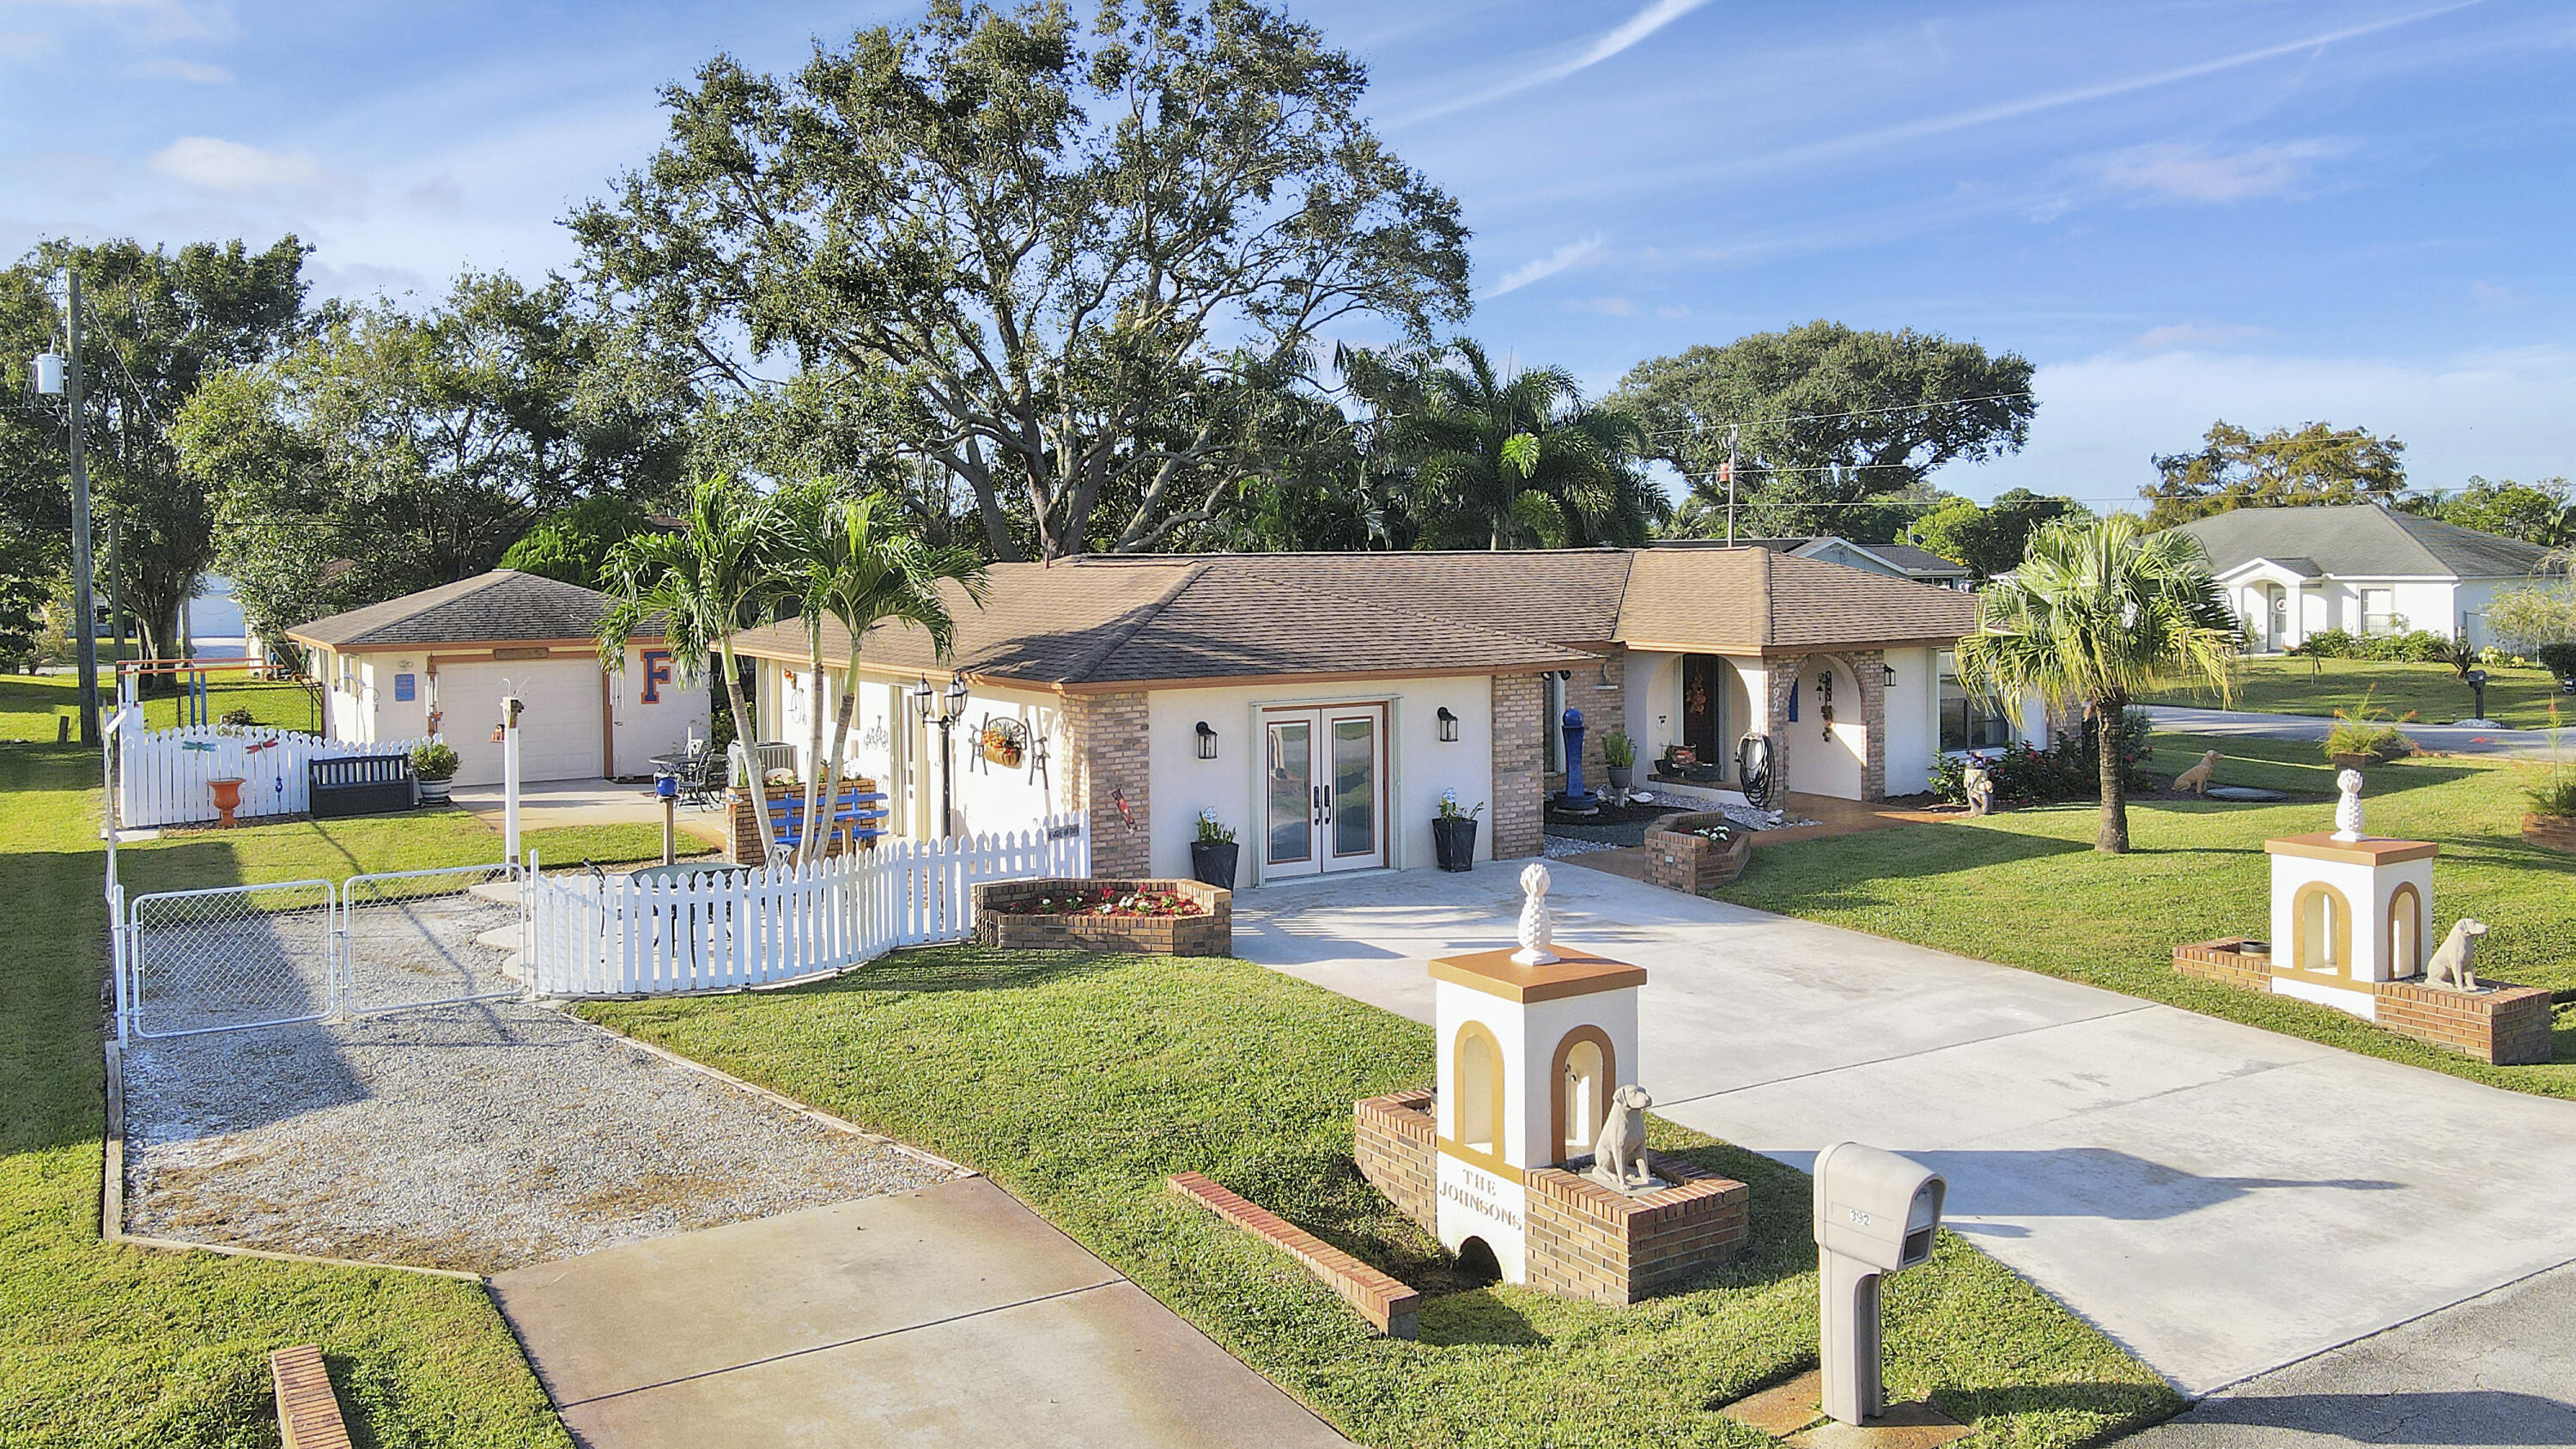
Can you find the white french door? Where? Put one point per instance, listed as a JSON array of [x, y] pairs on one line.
[[1324, 804]]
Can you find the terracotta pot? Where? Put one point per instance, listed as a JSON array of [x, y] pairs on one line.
[[2550, 832], [227, 799], [2349, 761]]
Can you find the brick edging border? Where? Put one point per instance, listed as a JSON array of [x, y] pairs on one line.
[[1390, 1307]]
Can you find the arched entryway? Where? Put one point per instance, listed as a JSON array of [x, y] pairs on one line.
[[1829, 741], [2271, 621]]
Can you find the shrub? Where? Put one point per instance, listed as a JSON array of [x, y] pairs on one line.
[[2069, 769], [433, 762], [2559, 659], [2327, 644], [2416, 646], [2558, 797], [2367, 730], [1618, 751], [238, 717]]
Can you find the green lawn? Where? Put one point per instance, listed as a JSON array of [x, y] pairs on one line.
[[2516, 698], [2025, 888], [1081, 1082], [29, 704]]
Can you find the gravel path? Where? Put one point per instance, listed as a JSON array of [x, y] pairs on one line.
[[478, 1137]]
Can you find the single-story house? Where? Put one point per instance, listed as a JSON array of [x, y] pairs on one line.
[[2361, 568], [1321, 705], [1896, 560], [439, 662]]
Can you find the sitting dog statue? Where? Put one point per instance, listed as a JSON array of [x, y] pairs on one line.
[[2455, 965], [1980, 788], [2196, 779], [1622, 1143]]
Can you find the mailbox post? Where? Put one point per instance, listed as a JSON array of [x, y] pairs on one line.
[[2476, 679], [507, 735], [667, 786], [1875, 1214]]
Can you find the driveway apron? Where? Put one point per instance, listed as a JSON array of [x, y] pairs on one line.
[[2219, 1199]]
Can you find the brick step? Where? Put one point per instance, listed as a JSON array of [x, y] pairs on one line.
[[1388, 1305], [308, 1413]]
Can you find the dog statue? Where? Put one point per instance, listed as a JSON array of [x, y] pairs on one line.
[[2455, 965], [2196, 779], [1979, 787], [1622, 1143]]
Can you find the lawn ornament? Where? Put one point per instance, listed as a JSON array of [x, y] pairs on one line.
[[2196, 779], [208, 746], [2455, 965], [1979, 787], [2348, 809], [1538, 923], [1622, 1143], [256, 746]]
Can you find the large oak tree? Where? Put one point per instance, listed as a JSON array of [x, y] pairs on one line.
[[1086, 256], [2286, 467]]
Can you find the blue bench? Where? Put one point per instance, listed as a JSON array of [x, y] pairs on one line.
[[855, 817]]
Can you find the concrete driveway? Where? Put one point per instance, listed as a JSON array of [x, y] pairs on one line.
[[2442, 739], [2221, 1200]]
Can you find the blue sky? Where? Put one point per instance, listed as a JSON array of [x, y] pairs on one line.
[[2267, 211]]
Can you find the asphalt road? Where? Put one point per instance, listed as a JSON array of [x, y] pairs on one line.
[[2443, 739]]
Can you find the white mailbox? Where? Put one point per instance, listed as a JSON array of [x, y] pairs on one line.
[[1876, 1213]]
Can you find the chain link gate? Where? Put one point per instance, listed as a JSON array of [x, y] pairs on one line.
[[229, 958], [418, 938]]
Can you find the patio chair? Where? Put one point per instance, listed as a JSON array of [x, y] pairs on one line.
[[702, 778]]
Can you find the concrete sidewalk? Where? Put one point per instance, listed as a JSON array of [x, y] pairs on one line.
[[2221, 1200], [2442, 739], [948, 1316]]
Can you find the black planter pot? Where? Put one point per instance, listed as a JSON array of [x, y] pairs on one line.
[[1213, 864], [1454, 840]]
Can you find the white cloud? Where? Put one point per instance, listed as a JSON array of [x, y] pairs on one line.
[[2498, 413], [1543, 267], [230, 168], [196, 72], [1656, 15], [2181, 336], [2180, 172]]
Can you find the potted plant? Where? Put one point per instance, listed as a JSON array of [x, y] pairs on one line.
[[1214, 854], [433, 767], [2365, 737], [237, 719], [1453, 834], [1619, 757]]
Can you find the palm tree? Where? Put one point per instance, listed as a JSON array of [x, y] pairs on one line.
[[2096, 613], [1505, 463], [856, 565], [703, 584]]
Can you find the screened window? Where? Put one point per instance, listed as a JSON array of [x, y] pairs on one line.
[[2379, 611], [1968, 722]]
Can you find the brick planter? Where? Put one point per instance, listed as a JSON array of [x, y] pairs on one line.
[[747, 844], [2502, 1025], [1208, 934], [1392, 1146], [1678, 860], [2550, 832]]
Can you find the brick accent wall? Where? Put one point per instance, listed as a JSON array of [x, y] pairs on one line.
[[1779, 678], [1110, 745], [1210, 934], [1678, 860], [1391, 1144], [1389, 1306], [2225, 962], [1591, 1241], [1602, 694], [1520, 766], [1869, 668], [2507, 1026]]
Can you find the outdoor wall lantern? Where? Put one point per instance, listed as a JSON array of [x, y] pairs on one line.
[[1448, 726], [1207, 741], [1891, 674]]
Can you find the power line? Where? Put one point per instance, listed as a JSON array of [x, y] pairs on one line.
[[1828, 417]]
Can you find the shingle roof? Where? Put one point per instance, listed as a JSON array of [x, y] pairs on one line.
[[1101, 622], [2360, 540], [1752, 600], [1901, 555], [1920, 560], [503, 606]]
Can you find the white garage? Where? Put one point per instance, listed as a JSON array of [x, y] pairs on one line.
[[439, 662]]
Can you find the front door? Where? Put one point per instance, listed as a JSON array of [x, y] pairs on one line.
[[1704, 707], [1325, 790]]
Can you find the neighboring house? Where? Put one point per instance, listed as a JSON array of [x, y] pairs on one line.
[[2359, 568], [440, 661], [1321, 704], [1896, 560], [210, 623]]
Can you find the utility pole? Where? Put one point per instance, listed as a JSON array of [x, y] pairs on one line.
[[84, 608]]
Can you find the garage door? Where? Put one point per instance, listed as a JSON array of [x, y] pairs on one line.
[[558, 731]]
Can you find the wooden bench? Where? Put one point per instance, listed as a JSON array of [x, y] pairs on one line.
[[357, 785], [308, 1413]]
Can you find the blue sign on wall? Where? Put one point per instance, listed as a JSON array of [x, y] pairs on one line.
[[402, 687]]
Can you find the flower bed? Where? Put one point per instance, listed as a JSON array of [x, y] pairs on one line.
[[1695, 850], [1149, 917]]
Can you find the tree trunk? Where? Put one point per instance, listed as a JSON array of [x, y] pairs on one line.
[[2113, 837], [743, 739], [838, 751]]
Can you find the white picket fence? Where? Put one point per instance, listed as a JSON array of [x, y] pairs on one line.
[[611, 936], [162, 775]]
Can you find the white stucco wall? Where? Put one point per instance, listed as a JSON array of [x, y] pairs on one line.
[[1420, 765], [1913, 721], [891, 743], [641, 729], [2438, 604]]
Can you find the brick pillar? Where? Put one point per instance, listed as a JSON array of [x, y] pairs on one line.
[[1520, 765], [1779, 677], [1109, 748], [1869, 667], [1601, 693]]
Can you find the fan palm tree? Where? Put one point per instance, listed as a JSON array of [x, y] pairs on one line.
[[856, 564], [2095, 614], [717, 576], [1498, 462]]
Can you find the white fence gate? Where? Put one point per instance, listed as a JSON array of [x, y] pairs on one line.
[[163, 777], [597, 935]]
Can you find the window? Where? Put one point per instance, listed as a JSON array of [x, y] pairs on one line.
[[2379, 611], [1968, 722]]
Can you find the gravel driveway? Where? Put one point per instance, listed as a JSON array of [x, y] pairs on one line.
[[477, 1137]]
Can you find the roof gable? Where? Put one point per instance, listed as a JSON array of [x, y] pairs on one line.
[[2359, 540], [503, 606]]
